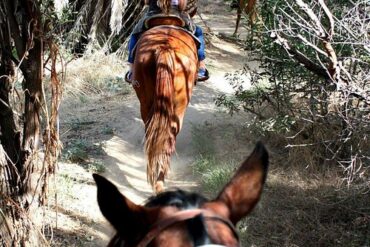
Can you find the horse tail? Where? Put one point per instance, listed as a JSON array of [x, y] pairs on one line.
[[160, 139]]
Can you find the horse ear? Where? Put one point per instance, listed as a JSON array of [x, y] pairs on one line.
[[242, 193], [129, 219]]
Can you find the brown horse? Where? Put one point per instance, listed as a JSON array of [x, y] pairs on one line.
[[178, 218], [249, 7], [164, 73]]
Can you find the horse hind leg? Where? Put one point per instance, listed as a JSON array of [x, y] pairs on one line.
[[159, 184], [163, 166], [239, 14]]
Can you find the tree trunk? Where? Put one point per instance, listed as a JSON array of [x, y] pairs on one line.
[[6, 229], [32, 70], [21, 30], [10, 136]]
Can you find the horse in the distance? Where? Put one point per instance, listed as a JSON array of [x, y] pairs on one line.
[[164, 74], [178, 218], [247, 6]]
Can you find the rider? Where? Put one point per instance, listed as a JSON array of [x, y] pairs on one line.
[[154, 9]]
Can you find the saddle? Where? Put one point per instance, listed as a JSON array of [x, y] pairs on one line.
[[170, 20], [174, 21]]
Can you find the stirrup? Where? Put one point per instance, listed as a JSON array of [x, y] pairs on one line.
[[205, 77], [128, 76]]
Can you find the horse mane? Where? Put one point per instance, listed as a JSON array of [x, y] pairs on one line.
[[182, 200], [160, 141]]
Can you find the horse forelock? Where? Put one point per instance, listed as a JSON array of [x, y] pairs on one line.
[[183, 200], [177, 198]]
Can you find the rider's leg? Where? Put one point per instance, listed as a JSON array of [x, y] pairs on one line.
[[131, 45], [202, 72]]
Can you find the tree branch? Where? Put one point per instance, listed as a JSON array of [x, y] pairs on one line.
[[301, 58]]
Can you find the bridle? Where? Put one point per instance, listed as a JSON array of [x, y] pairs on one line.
[[183, 216]]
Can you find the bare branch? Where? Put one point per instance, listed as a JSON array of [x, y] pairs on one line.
[[319, 29], [301, 58]]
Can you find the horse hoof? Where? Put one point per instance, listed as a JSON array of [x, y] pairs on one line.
[[159, 187]]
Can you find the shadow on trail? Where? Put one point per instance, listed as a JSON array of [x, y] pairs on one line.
[[124, 150], [121, 150], [313, 215]]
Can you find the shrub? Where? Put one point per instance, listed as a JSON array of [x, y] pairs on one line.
[[313, 84]]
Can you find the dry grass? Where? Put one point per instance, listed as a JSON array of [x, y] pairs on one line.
[[300, 210], [95, 74], [304, 203], [71, 220], [92, 86]]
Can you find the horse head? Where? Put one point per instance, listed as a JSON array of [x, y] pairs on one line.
[[178, 218]]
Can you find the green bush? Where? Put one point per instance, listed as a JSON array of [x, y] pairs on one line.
[[312, 85]]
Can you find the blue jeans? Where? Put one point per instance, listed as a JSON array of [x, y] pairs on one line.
[[198, 33], [201, 50], [131, 45]]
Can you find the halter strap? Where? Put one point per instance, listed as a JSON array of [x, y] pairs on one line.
[[182, 216]]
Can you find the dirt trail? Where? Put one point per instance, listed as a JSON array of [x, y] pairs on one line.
[[125, 150], [124, 157], [126, 161]]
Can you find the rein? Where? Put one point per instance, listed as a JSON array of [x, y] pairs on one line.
[[180, 217]]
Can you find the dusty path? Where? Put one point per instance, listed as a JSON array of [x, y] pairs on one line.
[[123, 150], [125, 160]]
